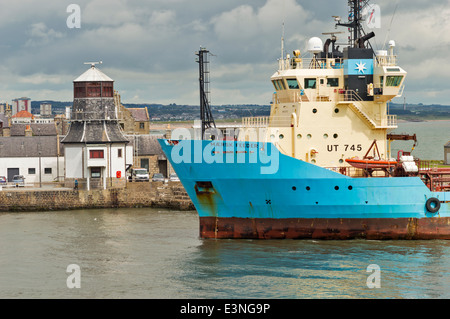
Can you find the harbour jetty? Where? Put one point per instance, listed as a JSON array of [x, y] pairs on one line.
[[147, 194]]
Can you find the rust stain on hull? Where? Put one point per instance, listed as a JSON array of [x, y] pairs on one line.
[[317, 228]]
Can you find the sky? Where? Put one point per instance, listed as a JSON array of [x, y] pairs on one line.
[[148, 47]]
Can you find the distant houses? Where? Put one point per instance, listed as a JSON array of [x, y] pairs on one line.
[[95, 143]]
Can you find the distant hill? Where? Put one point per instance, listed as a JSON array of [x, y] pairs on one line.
[[177, 112]]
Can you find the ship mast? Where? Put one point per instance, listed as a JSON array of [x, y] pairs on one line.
[[205, 109], [357, 36]]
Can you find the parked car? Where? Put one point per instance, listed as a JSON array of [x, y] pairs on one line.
[[18, 181], [174, 177], [158, 177], [139, 175], [3, 180]]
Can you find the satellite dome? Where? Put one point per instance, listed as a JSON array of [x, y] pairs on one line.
[[315, 45]]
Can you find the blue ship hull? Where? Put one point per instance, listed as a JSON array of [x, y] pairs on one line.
[[251, 190]]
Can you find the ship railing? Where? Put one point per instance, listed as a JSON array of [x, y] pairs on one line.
[[255, 121], [357, 172], [288, 96], [266, 121], [349, 96], [391, 120], [388, 60], [310, 63]]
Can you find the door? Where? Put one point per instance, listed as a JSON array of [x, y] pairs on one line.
[[12, 172], [162, 165]]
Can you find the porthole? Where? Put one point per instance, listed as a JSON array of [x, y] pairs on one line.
[[350, 187], [294, 188], [272, 136], [336, 110], [335, 135], [281, 136], [299, 136], [325, 136], [313, 161], [314, 110], [341, 161], [308, 188], [308, 136], [336, 188]]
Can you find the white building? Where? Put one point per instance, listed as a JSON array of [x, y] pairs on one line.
[[96, 151], [38, 158], [45, 109]]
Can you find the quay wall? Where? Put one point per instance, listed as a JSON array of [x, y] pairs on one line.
[[147, 194]]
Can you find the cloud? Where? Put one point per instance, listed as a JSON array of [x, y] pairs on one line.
[[148, 47], [40, 34]]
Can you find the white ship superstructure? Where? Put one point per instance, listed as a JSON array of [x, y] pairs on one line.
[[333, 105]]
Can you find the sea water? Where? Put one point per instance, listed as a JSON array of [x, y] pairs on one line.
[[157, 253]]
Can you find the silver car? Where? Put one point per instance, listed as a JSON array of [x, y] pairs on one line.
[[18, 181]]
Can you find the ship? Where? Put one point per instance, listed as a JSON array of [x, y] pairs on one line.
[[320, 165]]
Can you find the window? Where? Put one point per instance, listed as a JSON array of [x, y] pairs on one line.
[[141, 126], [119, 152], [310, 83], [96, 154], [393, 80], [292, 84], [144, 163], [96, 172], [333, 82], [31, 171], [281, 85], [275, 84], [47, 170]]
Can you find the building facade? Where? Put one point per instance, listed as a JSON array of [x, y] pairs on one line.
[[96, 151], [21, 104]]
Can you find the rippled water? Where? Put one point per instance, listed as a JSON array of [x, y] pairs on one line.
[[150, 253], [431, 136]]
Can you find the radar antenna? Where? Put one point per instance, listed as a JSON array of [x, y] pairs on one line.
[[93, 63]]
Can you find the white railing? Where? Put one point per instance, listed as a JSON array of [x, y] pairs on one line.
[[255, 121], [388, 60], [310, 63]]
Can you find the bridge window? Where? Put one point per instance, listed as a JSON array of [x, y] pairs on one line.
[[393, 80], [292, 84], [310, 83], [333, 82], [275, 84]]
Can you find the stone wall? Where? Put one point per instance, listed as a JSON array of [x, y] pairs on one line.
[[154, 194]]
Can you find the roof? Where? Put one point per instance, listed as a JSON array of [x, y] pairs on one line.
[[94, 131], [146, 145], [93, 75], [37, 129], [23, 113], [33, 146], [139, 114], [4, 118]]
